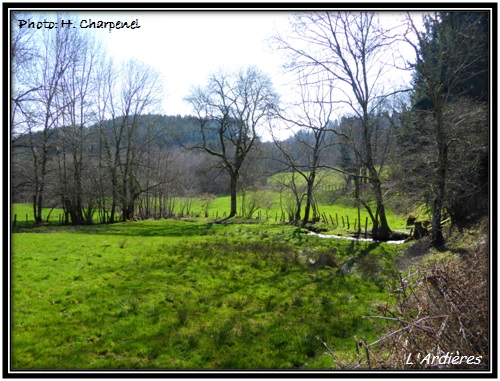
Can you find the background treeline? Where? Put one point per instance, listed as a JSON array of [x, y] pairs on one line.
[[87, 135], [163, 171]]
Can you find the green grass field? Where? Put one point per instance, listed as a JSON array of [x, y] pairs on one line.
[[23, 213], [190, 295], [337, 214]]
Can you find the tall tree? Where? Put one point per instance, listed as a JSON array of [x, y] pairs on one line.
[[137, 92], [353, 50], [54, 56], [311, 124], [76, 99], [232, 107], [23, 54], [450, 57]]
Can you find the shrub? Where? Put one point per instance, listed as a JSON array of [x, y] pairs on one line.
[[440, 309], [438, 313]]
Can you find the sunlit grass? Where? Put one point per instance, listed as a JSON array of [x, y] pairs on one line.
[[179, 295], [336, 210]]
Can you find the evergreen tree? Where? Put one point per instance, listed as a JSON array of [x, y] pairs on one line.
[[451, 63]]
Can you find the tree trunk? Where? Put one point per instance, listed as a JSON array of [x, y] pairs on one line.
[[233, 185], [356, 194], [111, 219], [307, 210], [128, 210], [36, 210], [298, 210], [437, 238], [382, 231]]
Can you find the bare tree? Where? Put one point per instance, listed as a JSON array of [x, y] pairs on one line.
[[23, 54], [351, 49], [158, 167], [107, 183], [77, 100], [42, 112], [126, 95], [311, 123], [229, 111], [291, 193]]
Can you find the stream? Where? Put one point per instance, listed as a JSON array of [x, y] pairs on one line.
[[353, 238]]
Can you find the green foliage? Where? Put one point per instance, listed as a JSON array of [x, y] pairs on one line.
[[454, 49]]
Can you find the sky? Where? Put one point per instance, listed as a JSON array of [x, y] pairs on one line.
[[186, 47]]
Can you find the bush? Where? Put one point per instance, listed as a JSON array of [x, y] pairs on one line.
[[438, 315], [441, 309]]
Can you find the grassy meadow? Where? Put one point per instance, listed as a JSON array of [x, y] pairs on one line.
[[173, 294], [338, 212], [337, 215]]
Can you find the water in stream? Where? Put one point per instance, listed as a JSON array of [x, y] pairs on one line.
[[353, 238]]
